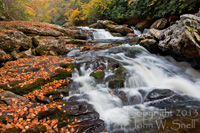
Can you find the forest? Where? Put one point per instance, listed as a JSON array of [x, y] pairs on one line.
[[89, 11]]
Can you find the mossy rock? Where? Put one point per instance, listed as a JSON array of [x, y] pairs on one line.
[[56, 113], [27, 88], [137, 42], [60, 74], [116, 34], [82, 37], [39, 129], [99, 74], [40, 50], [11, 130], [68, 65], [117, 81]]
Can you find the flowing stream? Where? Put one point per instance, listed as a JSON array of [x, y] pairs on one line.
[[120, 108]]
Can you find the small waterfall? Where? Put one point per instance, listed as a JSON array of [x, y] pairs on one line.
[[101, 34], [144, 71], [138, 32]]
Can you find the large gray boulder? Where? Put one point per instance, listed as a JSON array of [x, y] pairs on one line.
[[11, 40], [49, 45], [182, 38], [9, 97]]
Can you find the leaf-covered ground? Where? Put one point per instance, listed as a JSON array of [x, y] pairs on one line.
[[41, 72]]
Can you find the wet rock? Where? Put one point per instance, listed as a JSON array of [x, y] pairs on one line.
[[123, 30], [128, 99], [44, 100], [131, 35], [150, 44], [102, 24], [144, 24], [116, 34], [98, 74], [91, 126], [11, 40], [112, 27], [81, 111], [143, 37], [180, 102], [9, 97], [160, 23], [117, 81], [157, 94]]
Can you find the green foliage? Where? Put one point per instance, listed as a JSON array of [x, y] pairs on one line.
[[160, 8], [116, 10], [1, 7]]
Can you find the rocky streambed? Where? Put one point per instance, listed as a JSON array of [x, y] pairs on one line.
[[81, 79]]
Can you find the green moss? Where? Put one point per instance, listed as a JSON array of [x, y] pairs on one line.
[[40, 50], [82, 37], [137, 42], [61, 74], [57, 114], [98, 74], [27, 88], [12, 130], [40, 129], [117, 80], [116, 34], [68, 65]]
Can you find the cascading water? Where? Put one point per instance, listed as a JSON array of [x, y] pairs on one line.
[[102, 35], [144, 72], [138, 32]]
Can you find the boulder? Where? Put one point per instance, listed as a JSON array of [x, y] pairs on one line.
[[160, 23], [112, 27], [44, 100], [67, 24], [144, 24], [150, 44], [12, 40], [15, 55], [3, 56], [155, 33], [27, 53], [131, 35], [37, 31], [49, 45], [123, 30], [9, 97], [157, 94], [198, 14], [172, 19], [102, 24], [182, 38]]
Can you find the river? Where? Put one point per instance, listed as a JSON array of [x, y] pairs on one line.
[[152, 88]]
